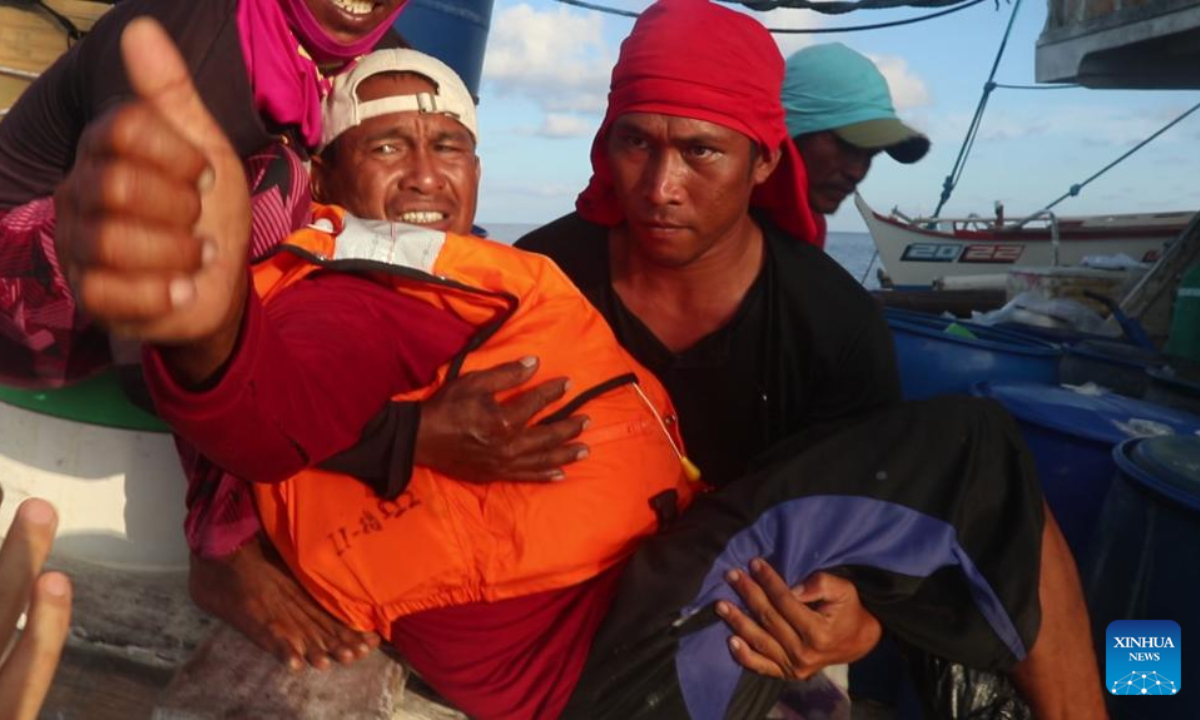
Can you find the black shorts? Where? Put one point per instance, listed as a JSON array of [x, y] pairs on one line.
[[931, 508]]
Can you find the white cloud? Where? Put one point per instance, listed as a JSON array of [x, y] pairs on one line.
[[562, 125], [1086, 125], [557, 57], [908, 89], [789, 18]]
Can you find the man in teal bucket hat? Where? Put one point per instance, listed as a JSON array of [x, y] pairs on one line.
[[840, 115]]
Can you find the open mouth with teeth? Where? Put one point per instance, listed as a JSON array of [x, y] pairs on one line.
[[423, 217], [357, 8]]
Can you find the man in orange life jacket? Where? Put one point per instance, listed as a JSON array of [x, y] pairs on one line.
[[207, 383]]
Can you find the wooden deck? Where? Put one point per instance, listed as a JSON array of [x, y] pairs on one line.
[[30, 40], [140, 650], [97, 685]]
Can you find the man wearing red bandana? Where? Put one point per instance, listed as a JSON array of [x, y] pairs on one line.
[[696, 240]]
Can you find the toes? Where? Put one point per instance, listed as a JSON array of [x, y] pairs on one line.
[[319, 659]]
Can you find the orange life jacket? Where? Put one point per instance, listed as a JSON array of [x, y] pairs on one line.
[[444, 542]]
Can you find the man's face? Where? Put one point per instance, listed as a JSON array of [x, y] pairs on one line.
[[416, 168], [349, 20], [683, 184], [835, 168]]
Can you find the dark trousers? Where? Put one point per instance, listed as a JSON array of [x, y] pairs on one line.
[[931, 508]]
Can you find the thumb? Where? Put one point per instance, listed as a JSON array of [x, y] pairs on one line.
[[159, 75]]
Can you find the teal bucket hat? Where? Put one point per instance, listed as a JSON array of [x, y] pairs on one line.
[[831, 87]]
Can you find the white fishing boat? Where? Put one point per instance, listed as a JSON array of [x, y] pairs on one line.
[[916, 252]]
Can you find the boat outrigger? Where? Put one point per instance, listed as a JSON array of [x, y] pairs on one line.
[[917, 252]]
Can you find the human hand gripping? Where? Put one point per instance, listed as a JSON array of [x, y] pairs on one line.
[[793, 633], [27, 670], [467, 434], [154, 219]]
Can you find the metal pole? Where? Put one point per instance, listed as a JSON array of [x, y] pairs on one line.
[[1054, 235], [14, 72]]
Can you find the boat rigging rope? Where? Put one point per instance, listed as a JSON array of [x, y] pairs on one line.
[[1063, 86], [1074, 190], [819, 7], [1077, 187], [837, 7], [973, 130]]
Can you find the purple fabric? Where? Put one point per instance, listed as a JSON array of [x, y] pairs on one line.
[[322, 48], [282, 44], [803, 536]]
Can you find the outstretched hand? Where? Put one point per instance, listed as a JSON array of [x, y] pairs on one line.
[[154, 219], [467, 434], [26, 673], [793, 633]]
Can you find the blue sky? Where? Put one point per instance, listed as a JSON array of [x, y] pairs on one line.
[[546, 74]]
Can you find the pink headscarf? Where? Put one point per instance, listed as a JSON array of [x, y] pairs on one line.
[[695, 59], [287, 86]]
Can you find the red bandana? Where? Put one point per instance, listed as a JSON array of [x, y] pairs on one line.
[[695, 59]]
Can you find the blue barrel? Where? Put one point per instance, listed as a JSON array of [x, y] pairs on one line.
[[1118, 366], [1057, 335], [1141, 565], [453, 31], [939, 355], [1174, 388], [1071, 435]]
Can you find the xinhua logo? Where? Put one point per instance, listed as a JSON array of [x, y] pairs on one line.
[[1143, 657]]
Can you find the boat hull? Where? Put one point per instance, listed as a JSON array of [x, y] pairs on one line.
[[915, 257]]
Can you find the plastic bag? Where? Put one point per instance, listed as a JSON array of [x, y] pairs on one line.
[[1030, 308], [951, 691], [1120, 261]]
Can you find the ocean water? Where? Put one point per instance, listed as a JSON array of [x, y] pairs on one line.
[[852, 249]]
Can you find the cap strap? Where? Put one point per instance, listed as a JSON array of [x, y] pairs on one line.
[[421, 102]]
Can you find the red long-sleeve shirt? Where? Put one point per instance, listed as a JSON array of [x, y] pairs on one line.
[[308, 373]]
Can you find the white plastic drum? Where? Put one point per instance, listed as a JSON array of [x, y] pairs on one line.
[[119, 492]]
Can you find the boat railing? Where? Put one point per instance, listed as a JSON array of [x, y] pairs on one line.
[[980, 223], [1054, 236], [975, 223]]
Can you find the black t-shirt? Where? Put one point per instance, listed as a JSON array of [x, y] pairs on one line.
[[807, 346]]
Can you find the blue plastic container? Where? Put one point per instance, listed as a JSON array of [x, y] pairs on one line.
[[1141, 565], [935, 362], [1118, 366], [1173, 388], [453, 31], [1071, 436], [1058, 335]]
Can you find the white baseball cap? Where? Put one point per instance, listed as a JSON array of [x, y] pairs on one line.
[[343, 110]]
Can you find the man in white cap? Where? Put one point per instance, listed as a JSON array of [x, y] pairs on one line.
[[401, 105], [840, 115], [398, 143]]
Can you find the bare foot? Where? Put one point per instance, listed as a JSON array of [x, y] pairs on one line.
[[253, 591]]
